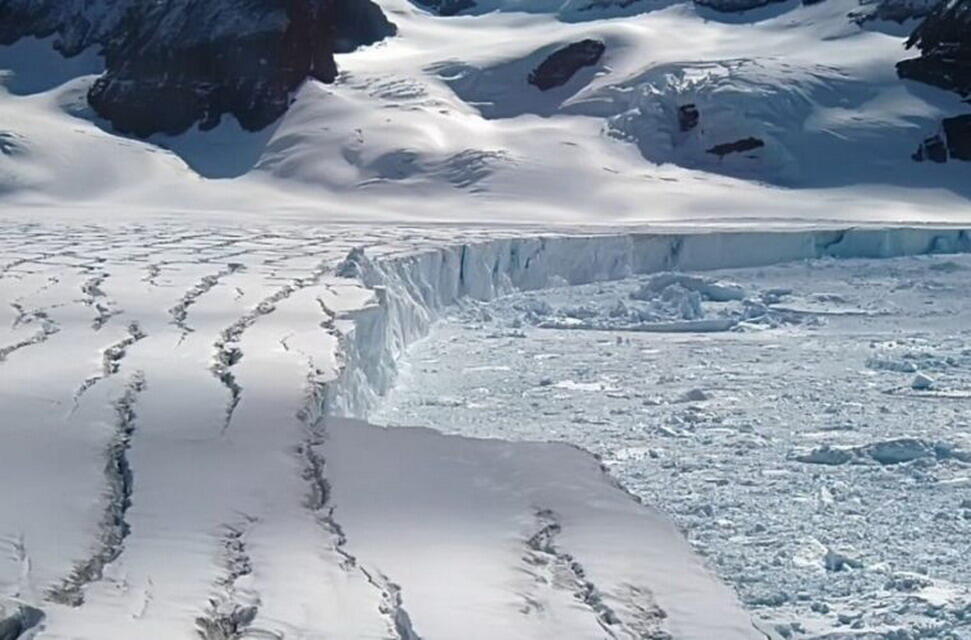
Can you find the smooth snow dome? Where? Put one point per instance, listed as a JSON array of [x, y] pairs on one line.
[[440, 123]]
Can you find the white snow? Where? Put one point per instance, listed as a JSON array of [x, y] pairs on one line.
[[177, 314], [162, 399], [439, 124]]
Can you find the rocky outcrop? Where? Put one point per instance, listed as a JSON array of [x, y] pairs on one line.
[[170, 65], [944, 40], [564, 63], [733, 6], [958, 133], [739, 146], [898, 11], [446, 8], [933, 149], [953, 142]]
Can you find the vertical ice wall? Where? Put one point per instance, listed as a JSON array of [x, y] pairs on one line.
[[412, 290]]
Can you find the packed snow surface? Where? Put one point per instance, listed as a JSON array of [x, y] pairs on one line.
[[440, 123], [167, 471], [805, 424]]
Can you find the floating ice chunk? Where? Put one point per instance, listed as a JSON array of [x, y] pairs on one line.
[[840, 561], [889, 364], [922, 382], [810, 554], [694, 395], [620, 310], [898, 451], [581, 312], [826, 454], [710, 288], [534, 306]]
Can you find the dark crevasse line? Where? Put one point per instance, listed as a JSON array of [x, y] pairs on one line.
[[227, 352], [48, 327], [111, 358], [551, 565], [113, 528], [232, 609], [95, 297], [180, 312], [318, 502]]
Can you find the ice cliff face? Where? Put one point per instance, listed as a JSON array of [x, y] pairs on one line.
[[412, 290], [172, 64]]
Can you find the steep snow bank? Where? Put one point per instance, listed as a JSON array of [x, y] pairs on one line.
[[412, 289]]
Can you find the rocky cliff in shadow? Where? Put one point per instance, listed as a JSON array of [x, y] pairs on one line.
[[174, 63]]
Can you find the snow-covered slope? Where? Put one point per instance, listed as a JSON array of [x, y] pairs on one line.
[[797, 112], [163, 393]]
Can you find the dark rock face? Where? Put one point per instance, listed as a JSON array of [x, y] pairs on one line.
[[688, 117], [954, 142], [898, 11], [958, 132], [563, 64], [447, 7], [933, 149], [944, 40], [172, 64], [733, 6], [739, 146]]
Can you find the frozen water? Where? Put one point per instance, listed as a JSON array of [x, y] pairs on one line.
[[792, 446]]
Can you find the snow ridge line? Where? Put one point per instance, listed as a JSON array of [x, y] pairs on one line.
[[227, 352], [318, 503], [232, 609], [114, 528], [414, 289], [180, 311], [566, 572], [111, 359]]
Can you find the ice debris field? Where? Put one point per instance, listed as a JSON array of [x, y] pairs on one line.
[[174, 465]]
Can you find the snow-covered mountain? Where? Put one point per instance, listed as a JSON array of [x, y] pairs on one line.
[[175, 64], [182, 315], [605, 111]]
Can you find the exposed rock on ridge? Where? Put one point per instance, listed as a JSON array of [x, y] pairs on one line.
[[172, 64], [944, 40], [564, 63]]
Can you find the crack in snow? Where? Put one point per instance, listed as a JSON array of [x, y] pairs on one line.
[[180, 311], [114, 528], [111, 359], [227, 351], [318, 502], [233, 608], [48, 328], [96, 298], [552, 566]]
